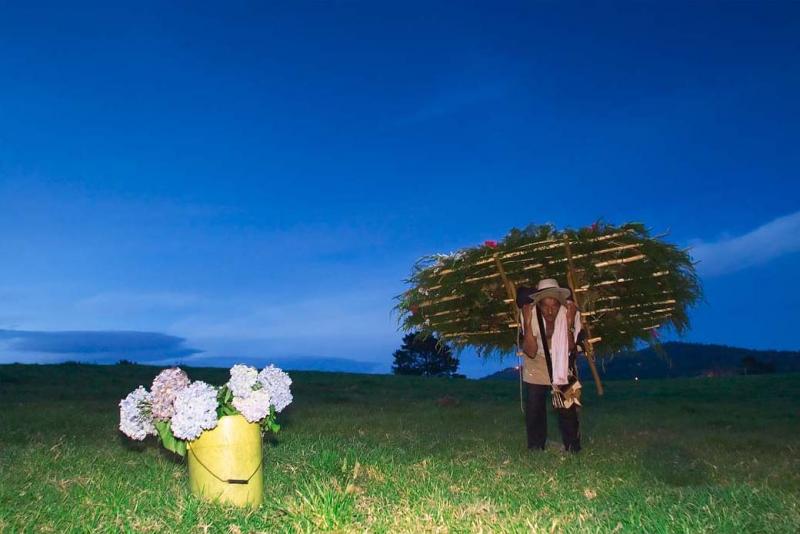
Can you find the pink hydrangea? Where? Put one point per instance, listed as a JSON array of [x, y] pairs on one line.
[[166, 387]]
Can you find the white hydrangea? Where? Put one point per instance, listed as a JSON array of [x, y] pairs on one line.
[[243, 379], [135, 420], [255, 407], [195, 410], [277, 383]]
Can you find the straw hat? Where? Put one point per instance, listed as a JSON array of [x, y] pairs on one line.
[[549, 287]]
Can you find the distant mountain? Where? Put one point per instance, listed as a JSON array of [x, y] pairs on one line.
[[683, 360], [304, 362], [322, 363]]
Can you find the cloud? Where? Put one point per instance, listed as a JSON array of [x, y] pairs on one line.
[[304, 362], [767, 242], [154, 348], [92, 345]]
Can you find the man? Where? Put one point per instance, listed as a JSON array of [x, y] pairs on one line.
[[551, 325]]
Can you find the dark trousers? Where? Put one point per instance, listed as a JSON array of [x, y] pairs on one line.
[[536, 420]]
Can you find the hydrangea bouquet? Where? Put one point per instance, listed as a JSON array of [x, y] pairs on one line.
[[178, 410]]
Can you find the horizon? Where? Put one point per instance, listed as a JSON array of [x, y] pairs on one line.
[[258, 181], [347, 366]]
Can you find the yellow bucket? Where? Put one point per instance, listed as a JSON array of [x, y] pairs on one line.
[[225, 464]]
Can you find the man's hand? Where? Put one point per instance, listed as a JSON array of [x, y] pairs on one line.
[[527, 315], [572, 310], [529, 344]]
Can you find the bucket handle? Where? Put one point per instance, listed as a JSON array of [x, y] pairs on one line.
[[229, 480]]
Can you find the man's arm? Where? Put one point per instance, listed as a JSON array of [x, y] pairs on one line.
[[529, 343], [572, 310]]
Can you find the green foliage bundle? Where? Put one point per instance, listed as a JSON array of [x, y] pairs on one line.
[[628, 283]]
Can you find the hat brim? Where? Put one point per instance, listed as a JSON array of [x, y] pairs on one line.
[[559, 293]]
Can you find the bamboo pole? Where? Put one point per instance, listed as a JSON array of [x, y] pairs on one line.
[[664, 316], [617, 248], [484, 277], [451, 321], [652, 327], [589, 346], [617, 297], [630, 306], [587, 287], [581, 289], [481, 333], [620, 261], [444, 312], [439, 300], [511, 291], [529, 267], [482, 264], [550, 243], [665, 311]]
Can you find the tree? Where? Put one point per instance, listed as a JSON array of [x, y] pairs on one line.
[[424, 356], [754, 366]]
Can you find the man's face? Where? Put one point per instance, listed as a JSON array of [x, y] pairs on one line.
[[549, 308]]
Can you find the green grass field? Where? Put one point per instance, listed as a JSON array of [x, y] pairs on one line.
[[380, 454]]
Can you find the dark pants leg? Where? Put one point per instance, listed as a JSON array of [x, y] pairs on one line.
[[536, 420], [570, 429], [536, 415]]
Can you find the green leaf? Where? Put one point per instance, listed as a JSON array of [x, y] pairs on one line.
[[180, 447], [269, 423], [168, 439], [225, 406]]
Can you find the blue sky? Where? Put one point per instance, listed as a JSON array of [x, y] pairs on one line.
[[254, 181]]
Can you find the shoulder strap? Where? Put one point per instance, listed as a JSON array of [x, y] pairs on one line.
[[543, 341], [556, 396]]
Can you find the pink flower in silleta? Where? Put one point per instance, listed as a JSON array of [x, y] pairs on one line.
[[490, 244], [654, 333], [166, 387]]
